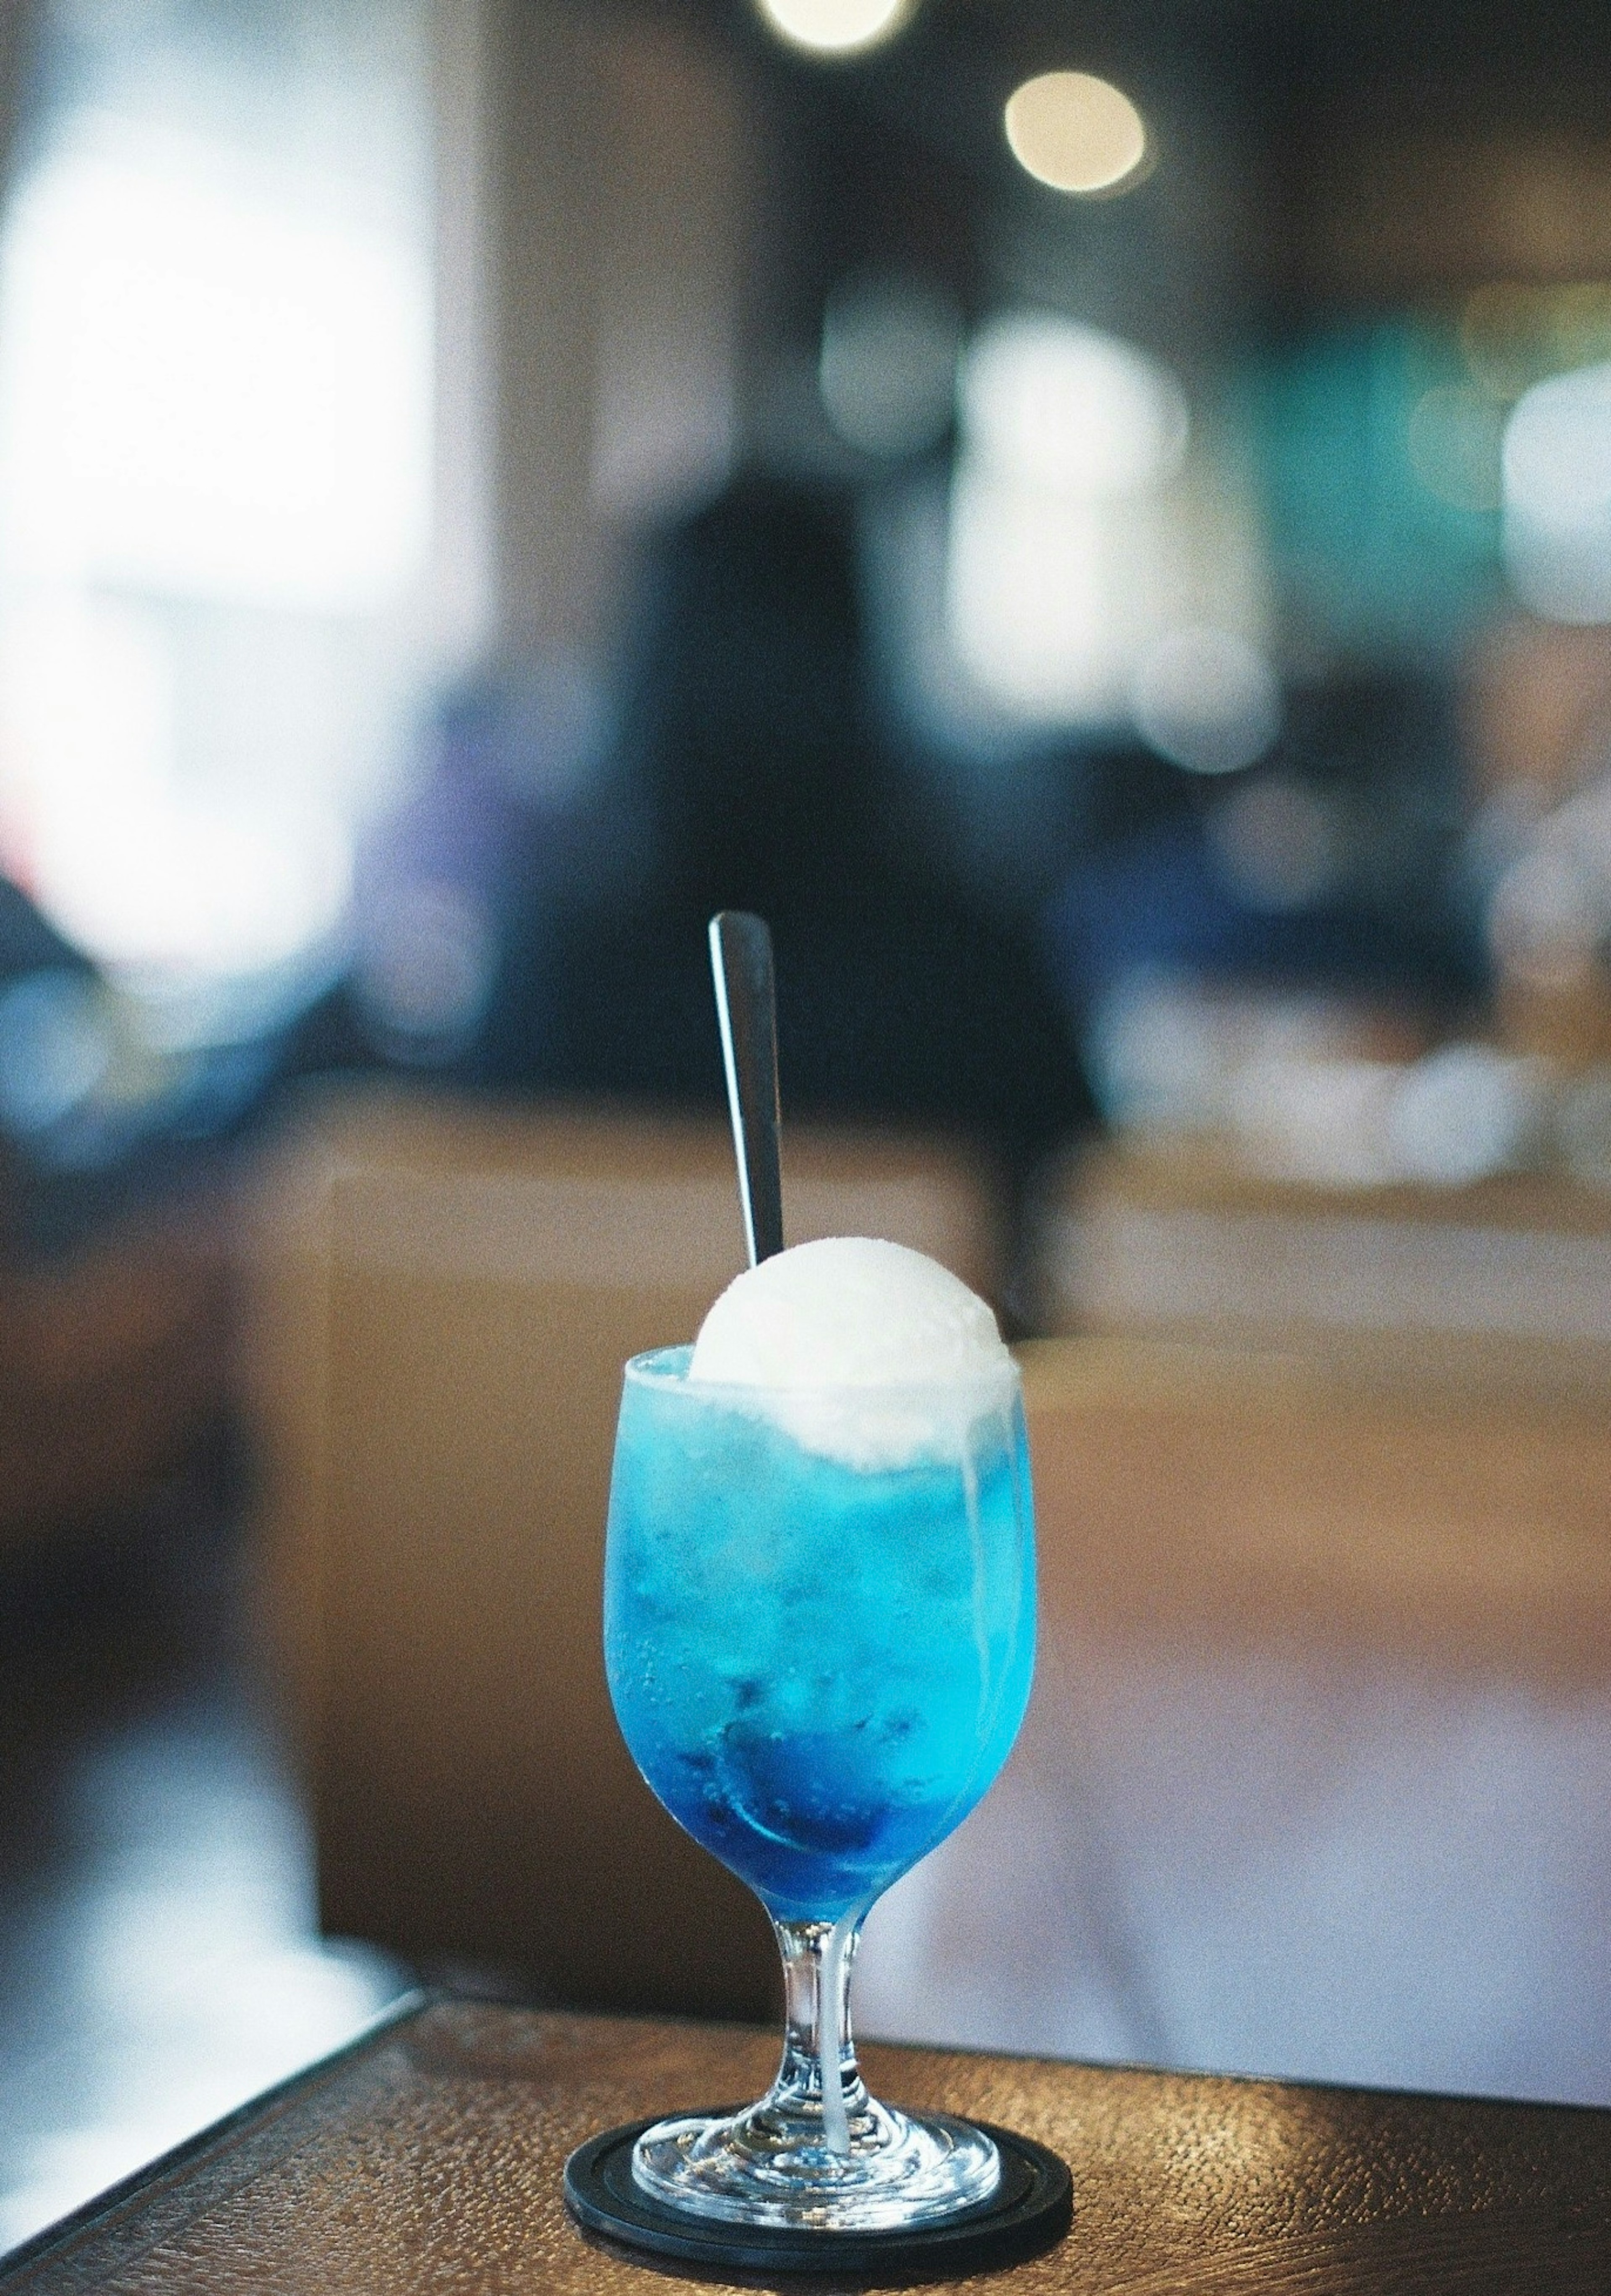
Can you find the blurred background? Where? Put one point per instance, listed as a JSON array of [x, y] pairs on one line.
[[1099, 524]]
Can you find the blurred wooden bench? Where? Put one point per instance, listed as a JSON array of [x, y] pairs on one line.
[[444, 1296], [1507, 1279], [1213, 1496], [1312, 1776]]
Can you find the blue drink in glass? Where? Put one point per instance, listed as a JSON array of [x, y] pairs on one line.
[[819, 1666], [818, 1625]]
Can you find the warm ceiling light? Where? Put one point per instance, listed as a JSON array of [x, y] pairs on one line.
[[1074, 132], [835, 27]]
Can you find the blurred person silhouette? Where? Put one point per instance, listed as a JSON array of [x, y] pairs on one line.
[[749, 750]]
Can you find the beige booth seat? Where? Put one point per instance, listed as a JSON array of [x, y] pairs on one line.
[[1507, 1278], [1215, 1498], [444, 1298], [1314, 1780]]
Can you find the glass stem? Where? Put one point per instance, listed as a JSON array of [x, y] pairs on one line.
[[818, 2073]]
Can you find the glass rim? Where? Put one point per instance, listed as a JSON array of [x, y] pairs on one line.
[[655, 1369]]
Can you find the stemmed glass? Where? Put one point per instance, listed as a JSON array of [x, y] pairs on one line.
[[819, 1631]]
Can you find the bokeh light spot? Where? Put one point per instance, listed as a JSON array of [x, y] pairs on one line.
[[835, 27], [1207, 699], [1068, 435], [1556, 470], [1074, 132], [1064, 406]]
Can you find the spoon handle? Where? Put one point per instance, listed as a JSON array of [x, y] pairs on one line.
[[741, 961]]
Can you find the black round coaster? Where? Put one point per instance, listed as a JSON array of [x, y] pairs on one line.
[[1031, 2207]]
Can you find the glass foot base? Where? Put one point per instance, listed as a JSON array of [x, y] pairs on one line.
[[1031, 2209], [892, 2172]]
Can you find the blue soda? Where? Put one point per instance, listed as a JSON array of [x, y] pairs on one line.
[[818, 1666]]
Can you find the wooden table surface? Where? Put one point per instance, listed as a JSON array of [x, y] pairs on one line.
[[429, 2159]]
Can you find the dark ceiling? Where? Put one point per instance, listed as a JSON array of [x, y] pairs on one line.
[[1310, 150]]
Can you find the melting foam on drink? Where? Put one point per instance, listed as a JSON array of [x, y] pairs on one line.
[[835, 2123], [976, 1549]]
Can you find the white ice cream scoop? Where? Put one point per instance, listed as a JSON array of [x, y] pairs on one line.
[[847, 1311], [862, 1350]]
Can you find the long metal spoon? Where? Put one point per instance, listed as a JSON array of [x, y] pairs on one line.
[[741, 961]]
